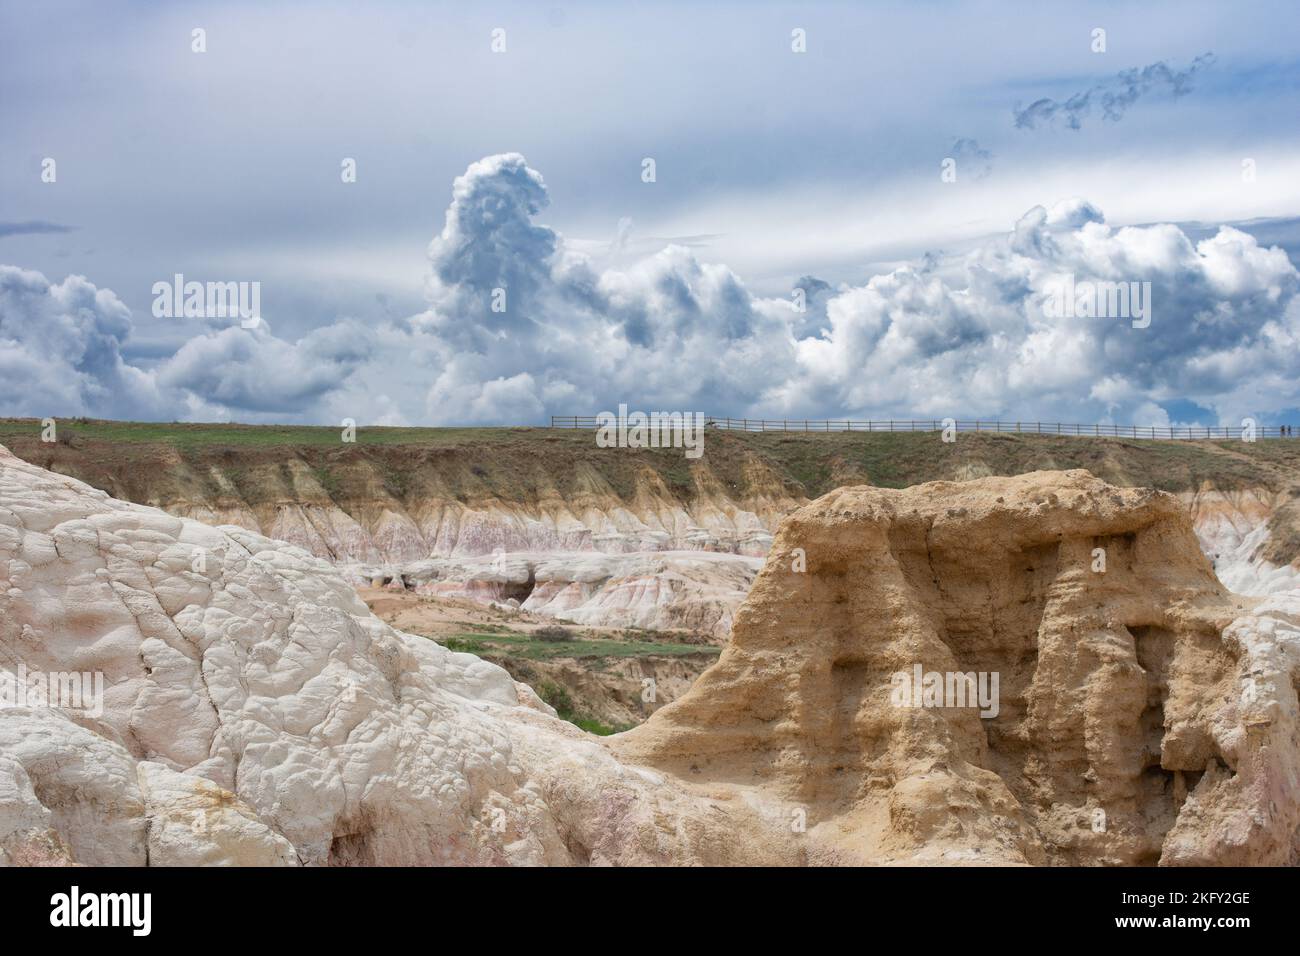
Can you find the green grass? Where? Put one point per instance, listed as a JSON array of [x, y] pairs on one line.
[[559, 698], [187, 435], [593, 726], [521, 645], [494, 643]]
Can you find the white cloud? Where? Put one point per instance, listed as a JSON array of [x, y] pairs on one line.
[[965, 336], [60, 350], [969, 338], [252, 370]]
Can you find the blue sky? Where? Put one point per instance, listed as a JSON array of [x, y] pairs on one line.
[[771, 167]]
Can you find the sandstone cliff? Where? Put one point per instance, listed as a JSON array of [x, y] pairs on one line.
[[1146, 715]]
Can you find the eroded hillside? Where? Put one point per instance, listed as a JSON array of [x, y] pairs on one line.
[[253, 711], [401, 493], [545, 520]]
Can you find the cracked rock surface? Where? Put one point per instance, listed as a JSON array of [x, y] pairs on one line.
[[255, 712]]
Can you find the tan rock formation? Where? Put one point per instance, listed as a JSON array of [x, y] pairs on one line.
[[1144, 714]]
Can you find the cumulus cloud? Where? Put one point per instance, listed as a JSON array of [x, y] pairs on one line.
[[492, 266], [970, 337], [520, 325], [61, 355], [979, 341], [252, 370], [567, 333], [60, 350], [1112, 97], [816, 294]]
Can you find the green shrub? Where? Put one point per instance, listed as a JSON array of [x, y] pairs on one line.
[[557, 697]]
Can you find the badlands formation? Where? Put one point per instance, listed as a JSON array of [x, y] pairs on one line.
[[255, 712], [545, 520], [1146, 714], [696, 591]]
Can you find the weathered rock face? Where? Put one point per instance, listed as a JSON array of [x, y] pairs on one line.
[[254, 712], [1233, 528], [530, 493], [1144, 714], [661, 590], [388, 532]]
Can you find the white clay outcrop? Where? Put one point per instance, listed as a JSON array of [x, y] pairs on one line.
[[658, 590], [254, 711]]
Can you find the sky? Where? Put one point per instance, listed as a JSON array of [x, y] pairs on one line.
[[856, 210]]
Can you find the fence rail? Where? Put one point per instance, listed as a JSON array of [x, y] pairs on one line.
[[1160, 432]]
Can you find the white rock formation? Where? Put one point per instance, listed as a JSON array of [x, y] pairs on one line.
[[254, 711], [1232, 529], [385, 531], [659, 590]]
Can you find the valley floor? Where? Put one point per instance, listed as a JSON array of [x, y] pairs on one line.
[[604, 680]]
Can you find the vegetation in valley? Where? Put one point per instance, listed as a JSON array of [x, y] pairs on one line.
[[488, 644]]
